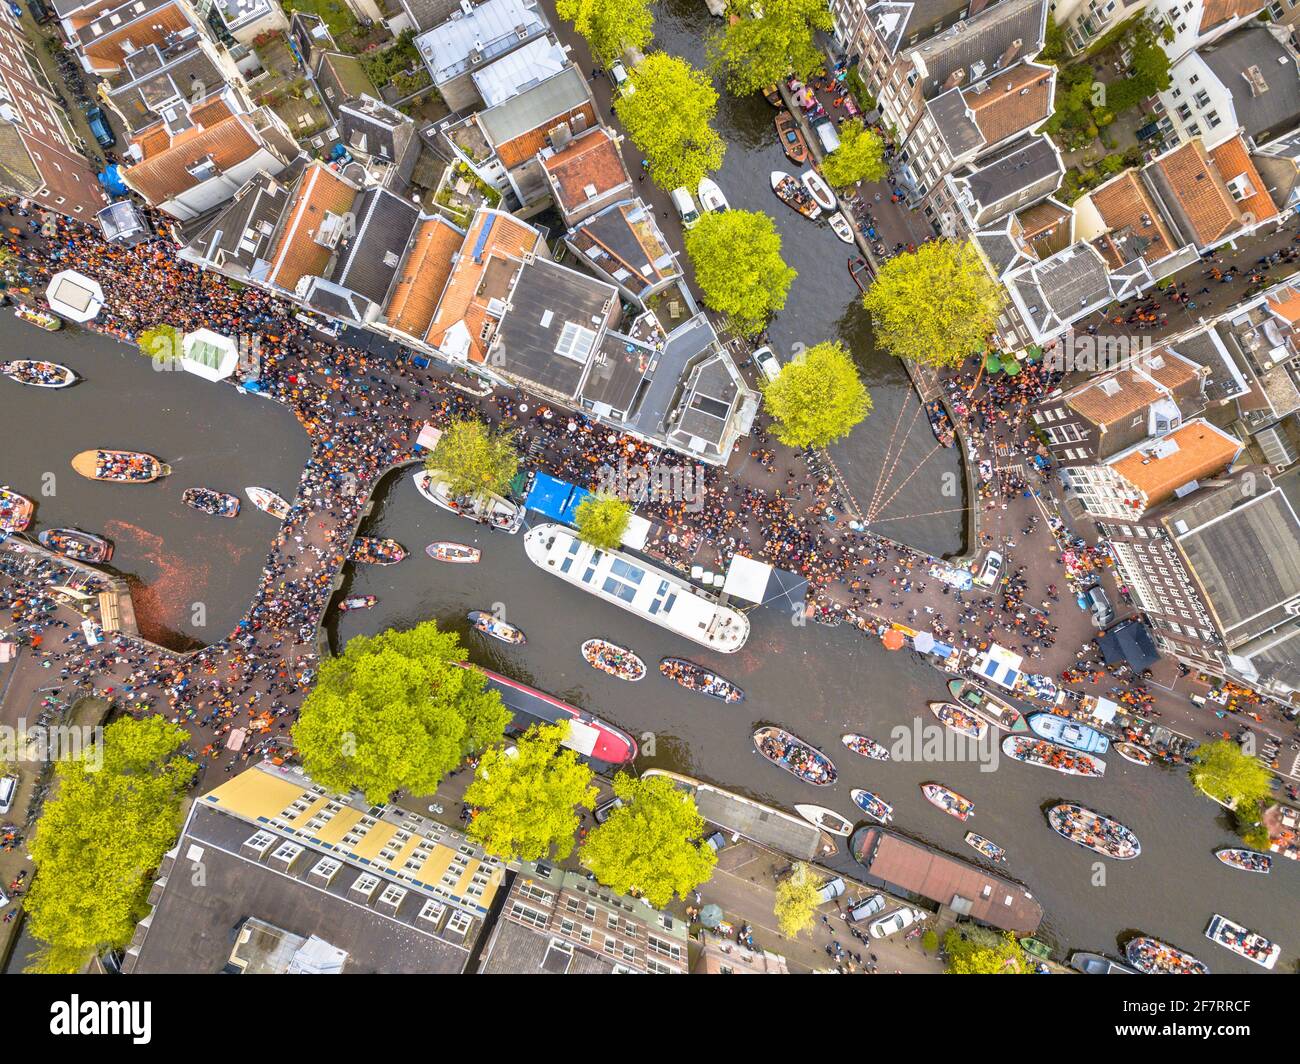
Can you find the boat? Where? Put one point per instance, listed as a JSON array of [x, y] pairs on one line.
[[791, 191], [797, 757], [792, 142], [842, 226], [1246, 860], [957, 719], [75, 544], [1096, 964], [1095, 832], [700, 680], [826, 819], [1132, 752], [357, 602], [631, 584], [266, 499], [376, 551], [940, 423], [491, 624], [493, 510], [711, 197], [618, 661], [773, 96], [1243, 941], [1068, 733], [989, 849], [38, 374], [873, 805], [865, 745], [984, 703], [120, 467], [1150, 956], [47, 321], [213, 503], [948, 800], [15, 511], [1036, 948], [819, 189], [459, 553], [1049, 755]]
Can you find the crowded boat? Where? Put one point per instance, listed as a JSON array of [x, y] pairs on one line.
[[1069, 733], [1139, 755], [988, 848], [1095, 832], [15, 511], [493, 510], [119, 467], [213, 503], [1150, 956], [793, 193], [948, 800], [38, 374], [940, 423], [268, 502], [1246, 860], [797, 757], [1049, 755], [374, 550], [873, 805], [41, 318], [865, 746], [700, 680], [75, 544], [1243, 941], [984, 703], [491, 625], [957, 719], [618, 661], [457, 553]]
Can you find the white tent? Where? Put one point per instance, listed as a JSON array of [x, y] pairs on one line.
[[74, 296], [747, 579], [209, 355]]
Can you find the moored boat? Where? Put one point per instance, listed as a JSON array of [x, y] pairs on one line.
[[1246, 860], [267, 500], [75, 544], [494, 510], [1049, 755], [458, 553], [988, 848], [1095, 832], [1132, 752], [700, 680], [948, 800], [797, 757], [1068, 733], [1096, 964], [376, 551], [609, 657], [1036, 948], [773, 96], [843, 228], [15, 511], [818, 189], [865, 746], [119, 467], [38, 374], [984, 703], [792, 142], [357, 602], [213, 503], [490, 624], [711, 197], [791, 191], [940, 423], [1150, 956], [43, 318], [826, 819], [873, 805], [1243, 941], [953, 717]]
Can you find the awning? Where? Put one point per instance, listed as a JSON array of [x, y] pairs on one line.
[[74, 296], [429, 436], [1131, 642], [756, 581], [209, 355], [554, 498], [924, 642], [1001, 666]]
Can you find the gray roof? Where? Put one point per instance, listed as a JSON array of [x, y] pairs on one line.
[[683, 346], [1003, 250], [425, 14], [1063, 288], [492, 29], [955, 125], [621, 366], [153, 78], [1026, 171], [519, 950], [242, 232], [976, 45], [556, 95], [1268, 113], [897, 21], [1213, 351], [624, 242], [371, 258], [710, 399]]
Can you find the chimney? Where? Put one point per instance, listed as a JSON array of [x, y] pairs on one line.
[[955, 78], [1013, 50]]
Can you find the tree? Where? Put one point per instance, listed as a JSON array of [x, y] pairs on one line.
[[602, 520], [936, 305], [610, 27], [476, 460], [528, 798], [756, 50], [117, 811], [972, 955], [396, 710], [1224, 771], [667, 114], [860, 156], [738, 266], [162, 343], [797, 899], [817, 398], [1150, 64], [647, 844]]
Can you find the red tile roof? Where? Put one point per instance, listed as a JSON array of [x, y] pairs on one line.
[[298, 254]]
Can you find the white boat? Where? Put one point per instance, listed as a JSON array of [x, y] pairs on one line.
[[826, 819], [843, 228], [873, 805], [818, 189], [267, 500], [38, 374], [653, 594], [711, 197], [1243, 941], [500, 513]]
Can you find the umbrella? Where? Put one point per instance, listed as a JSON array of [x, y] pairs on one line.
[[993, 363], [924, 642], [1011, 367], [893, 639], [711, 915]]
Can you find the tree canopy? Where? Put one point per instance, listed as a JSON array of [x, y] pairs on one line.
[[610, 27], [972, 955], [817, 397], [162, 343], [738, 266], [667, 115], [860, 156], [647, 844], [1224, 771], [797, 899], [759, 50], [396, 711], [476, 460], [528, 799], [100, 838], [936, 305], [602, 520]]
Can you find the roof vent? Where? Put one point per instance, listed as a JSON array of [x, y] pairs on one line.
[[1255, 79]]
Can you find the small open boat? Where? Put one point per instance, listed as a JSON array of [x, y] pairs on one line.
[[38, 374], [700, 680], [616, 660], [959, 720], [119, 467], [1096, 964], [1036, 948], [213, 503], [1150, 956], [15, 511], [819, 189], [75, 544], [984, 703], [494, 510], [1243, 941], [773, 96], [1049, 755], [989, 849], [267, 500], [873, 805], [1246, 860], [376, 551], [490, 624], [357, 602], [865, 745], [791, 192], [1095, 832], [948, 800], [1132, 752], [47, 321], [826, 819], [940, 423], [711, 197], [797, 757], [842, 226], [1068, 733], [447, 551], [792, 142]]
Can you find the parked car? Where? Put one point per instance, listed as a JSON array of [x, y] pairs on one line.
[[1103, 613], [767, 363], [686, 208], [99, 126], [603, 811], [868, 907], [831, 889], [991, 571], [717, 840], [892, 923], [619, 79], [8, 788]]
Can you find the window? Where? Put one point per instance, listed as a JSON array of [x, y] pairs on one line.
[[576, 342], [525, 914]]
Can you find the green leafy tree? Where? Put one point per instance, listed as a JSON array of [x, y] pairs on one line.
[[476, 460], [162, 343], [648, 843], [529, 798], [610, 27], [738, 266], [860, 156], [767, 43], [117, 810], [602, 520], [936, 305], [667, 115], [1224, 771], [930, 940], [972, 955], [1150, 64], [797, 899], [818, 397], [396, 710]]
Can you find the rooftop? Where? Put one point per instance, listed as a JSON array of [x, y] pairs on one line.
[[972, 48], [1260, 72], [312, 227], [1116, 397], [1196, 193], [467, 40], [1134, 227], [422, 275], [549, 99], [624, 243], [520, 70], [1160, 468], [1011, 101], [585, 169]]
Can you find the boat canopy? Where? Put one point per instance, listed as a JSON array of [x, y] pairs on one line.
[[1130, 642], [1001, 666], [756, 581], [559, 500], [74, 296]]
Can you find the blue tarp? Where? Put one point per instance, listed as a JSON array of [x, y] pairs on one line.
[[557, 499]]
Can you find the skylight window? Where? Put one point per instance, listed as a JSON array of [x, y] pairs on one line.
[[576, 342]]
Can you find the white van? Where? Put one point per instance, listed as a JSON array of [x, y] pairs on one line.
[[8, 788], [685, 204], [827, 135]]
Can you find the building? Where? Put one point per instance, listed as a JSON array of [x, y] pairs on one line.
[[380, 137], [586, 174], [246, 20], [1084, 22], [623, 244], [421, 15], [472, 38], [1191, 23], [1050, 294], [1020, 174], [339, 78], [721, 956]]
